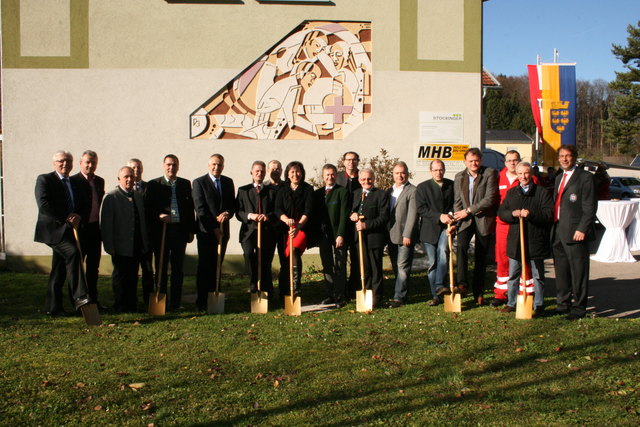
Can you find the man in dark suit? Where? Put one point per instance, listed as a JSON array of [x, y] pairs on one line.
[[125, 238], [275, 183], [331, 206], [575, 206], [403, 230], [170, 202], [92, 187], [475, 206], [434, 202], [58, 199], [349, 179], [215, 203], [146, 265], [255, 204], [373, 205]]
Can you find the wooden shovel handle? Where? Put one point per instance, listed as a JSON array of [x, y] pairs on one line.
[[161, 263], [451, 277], [259, 245], [219, 266], [523, 257], [361, 256], [291, 263]]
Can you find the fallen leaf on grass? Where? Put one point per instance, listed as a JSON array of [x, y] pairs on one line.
[[111, 325], [80, 385], [97, 408], [256, 405], [276, 383], [259, 375], [542, 360], [45, 383], [557, 349], [519, 350], [136, 386], [147, 406], [136, 323]]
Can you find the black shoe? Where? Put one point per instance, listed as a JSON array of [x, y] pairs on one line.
[[507, 309], [539, 312], [573, 316], [79, 302], [462, 289], [435, 301], [340, 303], [497, 302], [561, 311], [57, 313], [395, 303], [328, 300]]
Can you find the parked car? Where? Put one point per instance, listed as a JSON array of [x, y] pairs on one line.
[[624, 187], [492, 159]]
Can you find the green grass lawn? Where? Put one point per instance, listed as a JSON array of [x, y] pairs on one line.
[[414, 365]]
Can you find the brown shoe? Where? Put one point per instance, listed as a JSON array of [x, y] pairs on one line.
[[507, 309], [481, 301], [434, 302], [462, 289]]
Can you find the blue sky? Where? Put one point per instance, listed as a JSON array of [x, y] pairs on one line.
[[515, 31]]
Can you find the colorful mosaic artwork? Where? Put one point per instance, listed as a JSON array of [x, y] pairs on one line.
[[313, 84]]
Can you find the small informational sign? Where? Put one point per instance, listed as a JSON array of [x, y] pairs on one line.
[[441, 138]]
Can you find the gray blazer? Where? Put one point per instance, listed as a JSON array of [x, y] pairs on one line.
[[403, 220], [485, 199], [117, 223]]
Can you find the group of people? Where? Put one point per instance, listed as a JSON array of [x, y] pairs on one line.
[[142, 224]]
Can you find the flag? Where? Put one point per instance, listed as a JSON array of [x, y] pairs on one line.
[[552, 90]]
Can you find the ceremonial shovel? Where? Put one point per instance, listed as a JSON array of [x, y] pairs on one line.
[[158, 301], [364, 297], [453, 301], [89, 311], [259, 300], [292, 304], [524, 303], [215, 301]]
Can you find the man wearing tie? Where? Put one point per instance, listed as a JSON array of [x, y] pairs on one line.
[[214, 201], [372, 204], [575, 207], [140, 186], [255, 204], [170, 202], [92, 187], [331, 206], [58, 199]]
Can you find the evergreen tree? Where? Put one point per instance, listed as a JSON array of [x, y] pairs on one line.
[[623, 125]]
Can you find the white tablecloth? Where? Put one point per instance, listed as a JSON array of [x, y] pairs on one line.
[[616, 217], [633, 232]]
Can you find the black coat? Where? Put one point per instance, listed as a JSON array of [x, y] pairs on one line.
[[578, 205], [208, 204], [431, 202], [539, 203], [375, 209], [158, 201], [87, 195], [247, 203]]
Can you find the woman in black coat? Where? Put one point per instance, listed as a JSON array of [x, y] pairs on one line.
[[294, 203], [535, 206]]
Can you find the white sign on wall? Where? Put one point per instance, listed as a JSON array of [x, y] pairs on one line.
[[441, 137]]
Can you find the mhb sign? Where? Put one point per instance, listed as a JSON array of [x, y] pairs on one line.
[[451, 154]]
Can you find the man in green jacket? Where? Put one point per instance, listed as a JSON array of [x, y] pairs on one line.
[[331, 208]]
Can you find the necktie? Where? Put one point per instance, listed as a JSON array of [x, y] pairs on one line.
[[68, 192], [556, 208], [259, 201], [218, 187], [327, 191]]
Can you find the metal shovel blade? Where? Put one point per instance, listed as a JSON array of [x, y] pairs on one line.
[[157, 304], [215, 303], [259, 302], [453, 303], [91, 314], [292, 305], [524, 306], [364, 301]]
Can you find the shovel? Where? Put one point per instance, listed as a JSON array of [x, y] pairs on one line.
[[215, 300], [292, 304], [259, 300], [453, 301], [364, 297], [158, 301], [89, 311], [524, 303]]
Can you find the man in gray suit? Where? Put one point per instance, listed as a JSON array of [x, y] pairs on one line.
[[403, 229], [475, 206], [125, 238]]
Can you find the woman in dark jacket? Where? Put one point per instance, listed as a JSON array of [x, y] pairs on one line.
[[535, 205], [294, 203]]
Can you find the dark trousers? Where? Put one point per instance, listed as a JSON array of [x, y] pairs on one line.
[[91, 244], [65, 264], [571, 263], [283, 274], [124, 282], [207, 272], [353, 282], [250, 251], [373, 272], [147, 275], [284, 286], [333, 268], [174, 248], [481, 250]]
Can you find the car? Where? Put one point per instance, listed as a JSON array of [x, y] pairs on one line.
[[492, 159], [624, 187]]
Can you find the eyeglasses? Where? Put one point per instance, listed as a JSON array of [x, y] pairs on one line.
[[352, 160]]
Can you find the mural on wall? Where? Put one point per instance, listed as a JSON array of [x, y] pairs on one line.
[[313, 84]]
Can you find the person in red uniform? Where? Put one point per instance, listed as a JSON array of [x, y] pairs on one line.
[[507, 179]]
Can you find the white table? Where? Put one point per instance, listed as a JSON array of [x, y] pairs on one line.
[[633, 232], [616, 217]]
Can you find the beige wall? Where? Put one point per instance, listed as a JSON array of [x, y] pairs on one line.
[[150, 64], [525, 150]]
